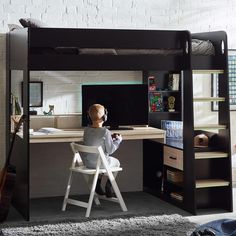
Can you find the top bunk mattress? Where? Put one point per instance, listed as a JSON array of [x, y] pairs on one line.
[[199, 47]]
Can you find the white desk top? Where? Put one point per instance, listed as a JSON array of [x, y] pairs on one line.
[[77, 135]]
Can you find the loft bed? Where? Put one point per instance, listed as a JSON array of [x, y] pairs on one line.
[[61, 49], [105, 49]]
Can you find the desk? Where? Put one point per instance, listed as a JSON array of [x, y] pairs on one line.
[[48, 149], [43, 172], [136, 133]]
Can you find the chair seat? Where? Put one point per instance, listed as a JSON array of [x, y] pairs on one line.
[[83, 169]]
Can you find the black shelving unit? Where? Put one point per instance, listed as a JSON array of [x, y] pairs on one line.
[[162, 87], [207, 181]]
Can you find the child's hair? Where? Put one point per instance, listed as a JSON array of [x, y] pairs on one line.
[[97, 112]]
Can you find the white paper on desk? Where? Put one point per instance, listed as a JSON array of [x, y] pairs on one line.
[[48, 130], [37, 133]]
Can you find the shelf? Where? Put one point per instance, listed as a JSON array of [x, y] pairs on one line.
[[208, 71], [164, 196], [209, 99], [169, 112], [208, 183], [163, 91], [209, 155], [209, 126]]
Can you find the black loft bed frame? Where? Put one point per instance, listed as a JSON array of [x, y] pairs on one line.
[[26, 52]]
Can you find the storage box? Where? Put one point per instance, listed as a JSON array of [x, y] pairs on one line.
[[174, 129], [177, 196], [174, 176]]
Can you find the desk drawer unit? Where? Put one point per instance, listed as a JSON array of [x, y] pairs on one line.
[[173, 157]]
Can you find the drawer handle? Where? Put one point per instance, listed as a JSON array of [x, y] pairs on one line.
[[173, 158]]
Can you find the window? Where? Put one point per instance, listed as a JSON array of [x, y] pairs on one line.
[[232, 82]]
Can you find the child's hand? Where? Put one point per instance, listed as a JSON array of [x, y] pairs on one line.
[[119, 137], [116, 136]]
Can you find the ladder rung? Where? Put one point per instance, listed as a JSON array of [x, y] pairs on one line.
[[209, 155], [209, 126], [208, 71], [206, 183], [209, 99]]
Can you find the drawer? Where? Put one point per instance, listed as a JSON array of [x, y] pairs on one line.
[[173, 157]]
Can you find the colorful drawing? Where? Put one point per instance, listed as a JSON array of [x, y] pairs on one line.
[[155, 101]]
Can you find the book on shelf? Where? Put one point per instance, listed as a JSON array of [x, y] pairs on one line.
[[155, 101], [152, 83], [173, 83]]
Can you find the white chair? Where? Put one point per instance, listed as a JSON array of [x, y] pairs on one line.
[[91, 177]]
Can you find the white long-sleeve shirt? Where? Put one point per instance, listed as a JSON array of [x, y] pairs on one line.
[[99, 137]]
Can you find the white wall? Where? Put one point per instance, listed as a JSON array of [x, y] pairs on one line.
[[63, 89], [196, 16]]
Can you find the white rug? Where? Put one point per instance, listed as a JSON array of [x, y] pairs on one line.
[[164, 225]]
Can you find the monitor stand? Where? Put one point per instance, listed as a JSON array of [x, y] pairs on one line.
[[121, 128]]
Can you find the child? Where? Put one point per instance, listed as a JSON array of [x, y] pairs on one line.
[[97, 135]]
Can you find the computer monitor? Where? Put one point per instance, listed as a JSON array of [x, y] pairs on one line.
[[127, 104]]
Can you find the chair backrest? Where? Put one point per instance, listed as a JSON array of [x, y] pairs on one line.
[[79, 148]]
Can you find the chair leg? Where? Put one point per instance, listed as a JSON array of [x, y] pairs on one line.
[[117, 191], [88, 179], [91, 197], [67, 192]]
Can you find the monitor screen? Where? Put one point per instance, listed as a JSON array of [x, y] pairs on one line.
[[127, 104]]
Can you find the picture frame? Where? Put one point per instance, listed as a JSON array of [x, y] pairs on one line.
[[232, 82], [35, 93]]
